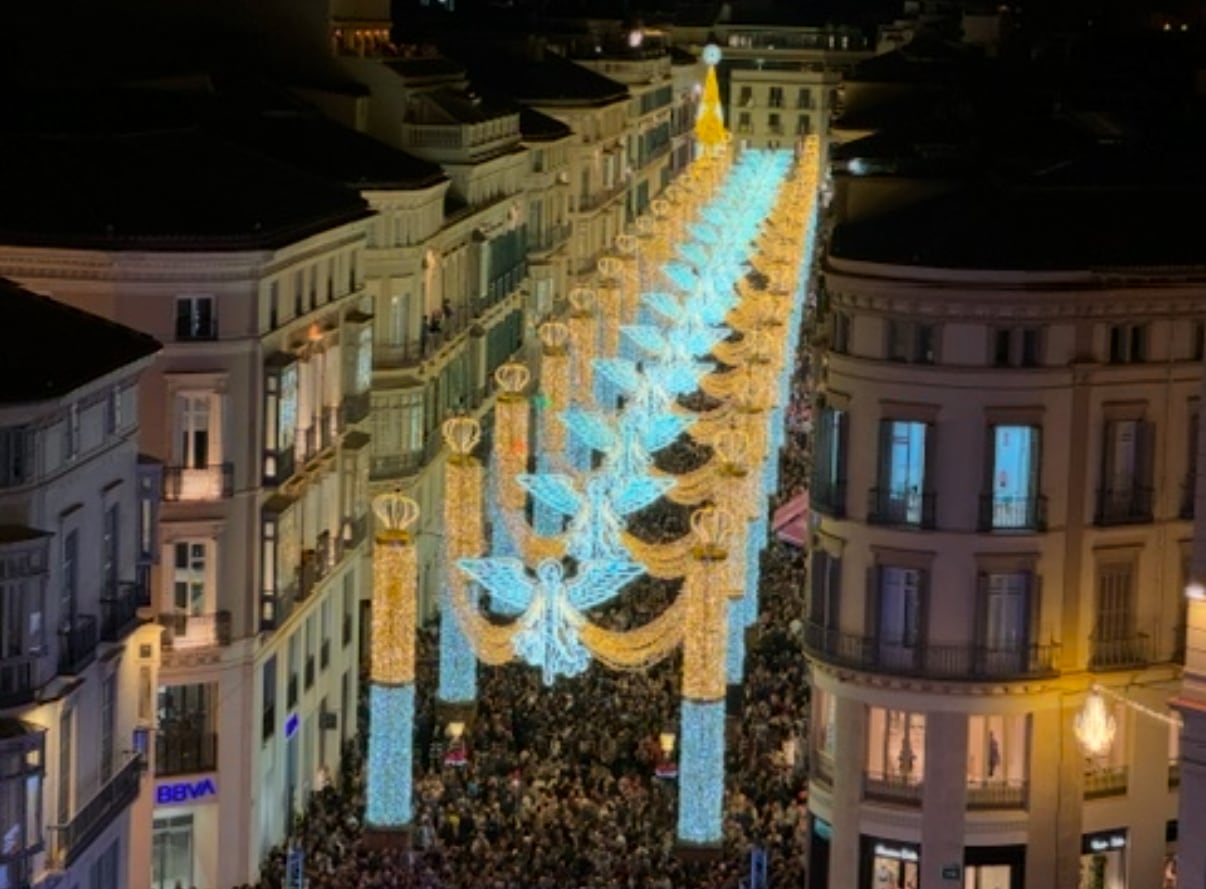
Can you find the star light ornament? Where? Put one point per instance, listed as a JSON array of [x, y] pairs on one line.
[[552, 606]]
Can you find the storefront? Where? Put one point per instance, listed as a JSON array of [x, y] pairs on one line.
[[1103, 860], [184, 828], [994, 867], [819, 838], [889, 864]]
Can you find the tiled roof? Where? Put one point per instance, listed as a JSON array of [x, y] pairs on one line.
[[53, 349], [539, 127], [548, 80], [183, 189]]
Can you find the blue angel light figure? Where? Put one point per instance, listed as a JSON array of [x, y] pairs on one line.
[[552, 606], [597, 517]]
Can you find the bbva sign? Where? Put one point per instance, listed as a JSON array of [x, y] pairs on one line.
[[169, 793]]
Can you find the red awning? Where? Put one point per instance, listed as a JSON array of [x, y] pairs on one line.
[[790, 521]]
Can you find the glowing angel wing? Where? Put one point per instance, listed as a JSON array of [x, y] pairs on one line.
[[662, 431], [702, 340], [694, 254], [638, 492], [504, 578], [621, 372], [705, 234], [666, 306], [677, 378], [596, 582], [553, 490], [681, 275], [590, 427], [646, 337]]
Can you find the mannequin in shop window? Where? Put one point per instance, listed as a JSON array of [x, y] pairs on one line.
[[994, 755], [906, 757]]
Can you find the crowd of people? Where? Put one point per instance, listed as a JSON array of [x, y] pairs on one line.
[[561, 788]]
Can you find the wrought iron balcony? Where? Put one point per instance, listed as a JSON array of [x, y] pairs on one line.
[[77, 644], [1123, 506], [119, 610], [17, 681], [967, 662], [354, 530], [1013, 513], [828, 497], [1134, 650], [187, 632], [902, 789], [992, 794], [906, 509], [388, 355], [68, 841], [1108, 781], [214, 482], [356, 407], [182, 749]]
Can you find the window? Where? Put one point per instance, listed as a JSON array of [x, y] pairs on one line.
[[113, 411], [1114, 639], [190, 576], [310, 643], [825, 592], [1006, 616], [172, 852], [274, 305], [71, 432], [803, 98], [841, 333], [299, 293], [911, 342], [268, 716], [291, 690], [774, 123], [899, 617], [280, 416], [324, 614], [1014, 499], [747, 97], [109, 550], [997, 751], [1197, 341], [16, 456], [70, 579], [1128, 343], [196, 318], [193, 419], [21, 805], [776, 97], [104, 870], [743, 122], [108, 718], [1126, 494], [828, 490], [901, 497], [803, 127], [66, 759], [1015, 347], [1189, 486], [896, 745], [349, 600]]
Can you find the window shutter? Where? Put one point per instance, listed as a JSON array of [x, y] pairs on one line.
[[842, 445], [1145, 450], [871, 617], [980, 612], [1034, 602]]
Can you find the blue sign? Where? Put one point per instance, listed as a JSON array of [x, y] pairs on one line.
[[291, 725], [169, 793]]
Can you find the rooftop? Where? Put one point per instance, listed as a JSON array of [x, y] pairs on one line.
[[54, 349], [548, 79], [182, 189], [539, 127]]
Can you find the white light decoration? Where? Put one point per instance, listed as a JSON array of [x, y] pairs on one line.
[[1095, 726]]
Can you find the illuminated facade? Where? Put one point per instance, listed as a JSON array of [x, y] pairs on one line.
[[79, 663], [254, 413], [1002, 496]]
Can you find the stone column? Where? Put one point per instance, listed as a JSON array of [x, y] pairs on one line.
[[944, 798]]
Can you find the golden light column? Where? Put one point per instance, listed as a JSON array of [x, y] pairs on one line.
[[583, 332], [389, 803], [610, 300], [554, 385], [630, 274], [512, 422]]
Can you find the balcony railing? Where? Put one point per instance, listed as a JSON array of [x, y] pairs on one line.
[[828, 497], [68, 841], [596, 199], [17, 683], [997, 794], [1123, 506], [901, 789], [1108, 781], [1117, 654], [181, 749], [968, 662], [909, 509], [119, 611], [404, 464], [279, 466], [356, 407], [198, 482], [388, 355], [77, 644], [1013, 513], [187, 632], [552, 237], [354, 530]]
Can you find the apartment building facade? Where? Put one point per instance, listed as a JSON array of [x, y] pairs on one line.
[[80, 660], [1004, 467], [255, 411]]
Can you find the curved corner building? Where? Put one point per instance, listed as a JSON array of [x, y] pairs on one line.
[[1003, 471]]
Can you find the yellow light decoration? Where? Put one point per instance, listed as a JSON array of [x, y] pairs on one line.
[[465, 538], [511, 418], [554, 384], [583, 334], [610, 299], [395, 577], [665, 561], [1095, 726], [705, 635], [639, 648]]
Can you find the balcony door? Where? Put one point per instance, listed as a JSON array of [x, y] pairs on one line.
[[1006, 608], [1124, 459], [172, 852], [899, 616], [1014, 476], [903, 470], [192, 580]]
